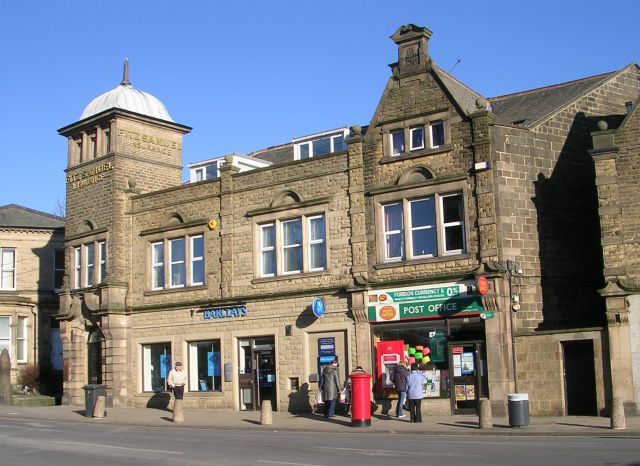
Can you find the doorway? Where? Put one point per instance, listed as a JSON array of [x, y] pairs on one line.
[[94, 359], [467, 363], [579, 378], [257, 377]]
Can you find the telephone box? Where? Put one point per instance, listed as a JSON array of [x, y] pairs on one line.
[[388, 355]]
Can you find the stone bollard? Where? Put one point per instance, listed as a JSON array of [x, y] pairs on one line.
[[485, 417], [5, 382], [178, 411], [265, 413], [617, 414], [98, 410]]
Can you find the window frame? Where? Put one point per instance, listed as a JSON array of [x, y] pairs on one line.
[[58, 271], [277, 251], [147, 376], [12, 269], [437, 123], [157, 265], [22, 339], [8, 338], [309, 143], [77, 267], [167, 263], [101, 268], [392, 150], [86, 273], [411, 131], [438, 193], [193, 259], [194, 381], [89, 267]]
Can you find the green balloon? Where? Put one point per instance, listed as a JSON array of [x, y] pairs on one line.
[[412, 351]]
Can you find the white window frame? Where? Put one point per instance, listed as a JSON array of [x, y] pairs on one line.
[[413, 130], [8, 268], [392, 149], [296, 246], [89, 267], [271, 250], [8, 339], [407, 229], [194, 381], [58, 268], [173, 263], [433, 124], [102, 261], [22, 339], [308, 141], [278, 248], [155, 264], [202, 172], [77, 267], [193, 259]]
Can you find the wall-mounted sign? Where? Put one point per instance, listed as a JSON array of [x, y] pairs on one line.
[[318, 307], [423, 302], [225, 312], [326, 346]]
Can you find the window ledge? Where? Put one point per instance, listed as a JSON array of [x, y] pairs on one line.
[[416, 153], [430, 260], [174, 290], [281, 278]]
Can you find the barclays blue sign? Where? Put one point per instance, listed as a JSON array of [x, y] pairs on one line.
[[225, 312]]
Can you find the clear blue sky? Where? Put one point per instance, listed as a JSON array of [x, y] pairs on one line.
[[251, 74]]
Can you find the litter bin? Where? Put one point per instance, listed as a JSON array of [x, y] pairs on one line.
[[91, 394], [518, 409], [360, 399]]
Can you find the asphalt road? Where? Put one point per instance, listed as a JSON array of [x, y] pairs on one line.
[[26, 442]]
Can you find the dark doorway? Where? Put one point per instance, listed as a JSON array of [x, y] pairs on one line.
[[579, 378], [94, 348]]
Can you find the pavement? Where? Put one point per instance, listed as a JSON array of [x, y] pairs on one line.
[[282, 421]]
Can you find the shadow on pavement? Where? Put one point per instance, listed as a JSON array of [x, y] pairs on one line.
[[582, 425]]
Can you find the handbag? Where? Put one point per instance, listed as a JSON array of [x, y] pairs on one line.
[[319, 398]]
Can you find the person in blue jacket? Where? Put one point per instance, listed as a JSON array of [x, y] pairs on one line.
[[399, 378], [415, 382]]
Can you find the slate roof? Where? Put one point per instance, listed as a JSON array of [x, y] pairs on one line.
[[17, 216], [527, 108], [275, 154], [463, 95]]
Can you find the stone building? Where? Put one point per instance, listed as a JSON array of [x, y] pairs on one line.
[[449, 230], [616, 153], [31, 273]]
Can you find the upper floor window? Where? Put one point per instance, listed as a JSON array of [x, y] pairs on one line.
[[419, 133], [89, 264], [437, 133], [184, 264], [7, 268], [426, 227], [320, 144], [207, 172], [293, 246], [58, 268], [416, 136], [397, 142]]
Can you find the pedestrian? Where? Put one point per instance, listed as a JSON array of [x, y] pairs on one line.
[[176, 380], [399, 378], [415, 383], [330, 386]]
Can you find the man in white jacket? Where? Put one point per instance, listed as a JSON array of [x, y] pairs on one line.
[[176, 380]]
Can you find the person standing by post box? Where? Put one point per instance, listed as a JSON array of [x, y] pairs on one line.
[[176, 380], [330, 385], [399, 378], [415, 392]]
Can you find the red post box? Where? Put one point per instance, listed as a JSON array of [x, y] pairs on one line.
[[360, 399]]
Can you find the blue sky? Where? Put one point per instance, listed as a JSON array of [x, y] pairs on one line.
[[252, 74]]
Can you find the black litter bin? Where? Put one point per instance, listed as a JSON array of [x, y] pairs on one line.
[[518, 409], [91, 394]]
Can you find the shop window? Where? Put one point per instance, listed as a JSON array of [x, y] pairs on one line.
[[7, 268], [89, 268], [437, 134], [5, 333], [293, 246], [156, 364], [425, 227], [21, 340], [205, 366], [185, 262], [58, 268]]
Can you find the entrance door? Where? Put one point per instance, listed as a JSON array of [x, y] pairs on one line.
[[94, 349], [467, 369], [579, 378], [257, 378]]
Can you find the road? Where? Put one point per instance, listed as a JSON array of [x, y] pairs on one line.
[[28, 442]]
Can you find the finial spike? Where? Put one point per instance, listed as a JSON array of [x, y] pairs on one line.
[[125, 73]]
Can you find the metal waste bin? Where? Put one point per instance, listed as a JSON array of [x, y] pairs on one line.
[[518, 409], [91, 394]]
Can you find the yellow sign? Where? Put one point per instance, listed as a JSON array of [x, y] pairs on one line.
[[150, 143], [91, 176]]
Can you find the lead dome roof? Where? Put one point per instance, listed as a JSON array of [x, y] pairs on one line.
[[127, 98]]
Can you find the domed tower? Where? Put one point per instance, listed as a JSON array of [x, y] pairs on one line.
[[124, 144]]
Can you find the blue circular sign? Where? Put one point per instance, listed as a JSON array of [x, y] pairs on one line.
[[318, 307]]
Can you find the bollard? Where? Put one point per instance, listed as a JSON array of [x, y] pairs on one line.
[[266, 417], [98, 410], [485, 417], [617, 414], [178, 411]]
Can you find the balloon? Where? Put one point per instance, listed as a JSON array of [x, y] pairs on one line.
[[426, 350], [419, 348], [426, 359], [412, 351], [412, 360], [418, 355]]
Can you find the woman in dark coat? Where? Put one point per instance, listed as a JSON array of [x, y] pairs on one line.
[[330, 386], [399, 377]]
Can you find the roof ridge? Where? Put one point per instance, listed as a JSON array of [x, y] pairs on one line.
[[33, 211], [554, 86]]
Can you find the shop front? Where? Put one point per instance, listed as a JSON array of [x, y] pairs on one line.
[[441, 329]]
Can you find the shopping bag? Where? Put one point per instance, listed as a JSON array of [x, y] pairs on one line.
[[319, 398], [344, 394]]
